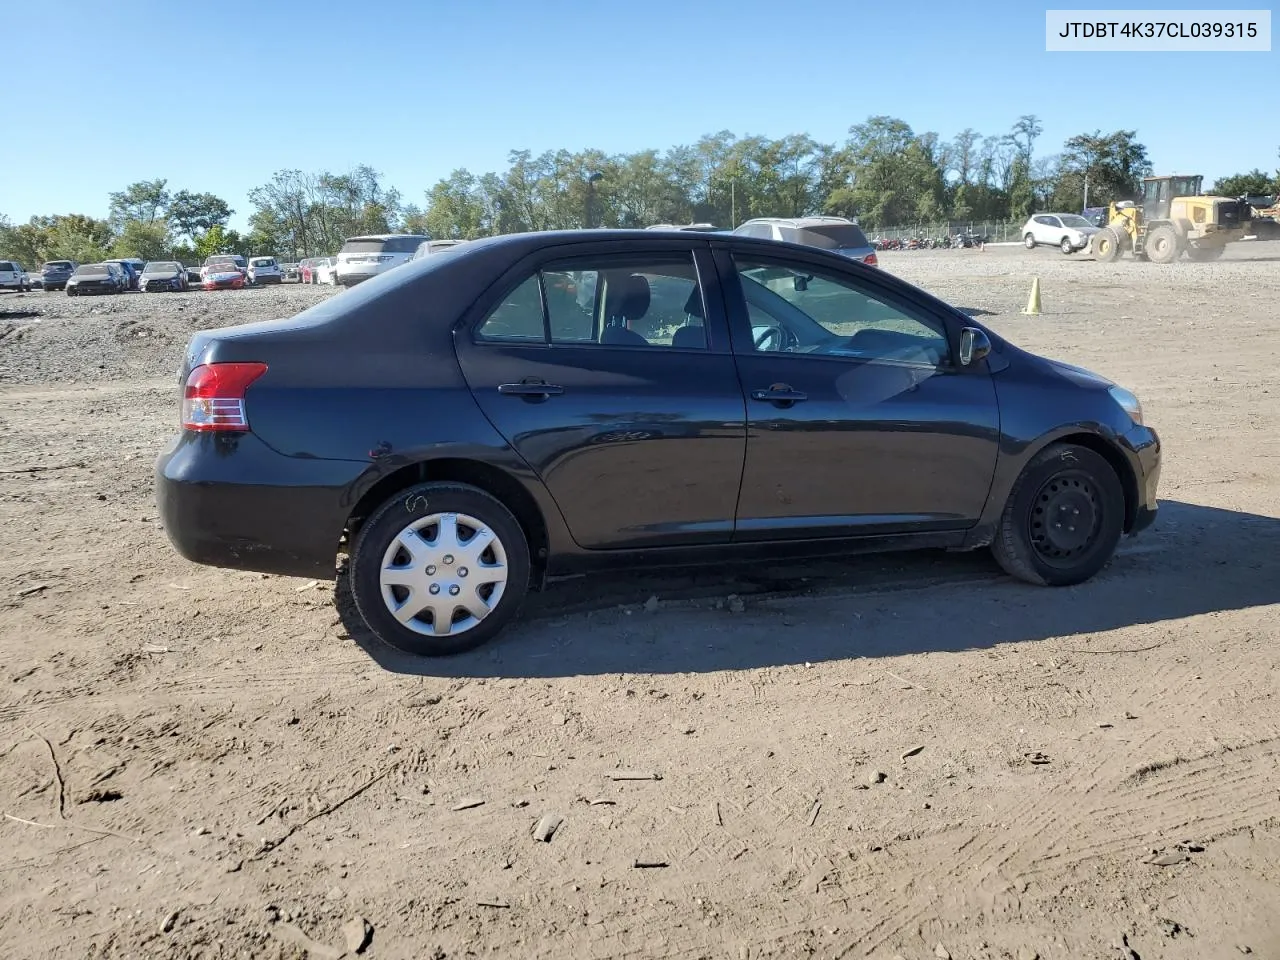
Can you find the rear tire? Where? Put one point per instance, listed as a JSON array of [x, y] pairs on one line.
[[1029, 241], [1162, 244], [378, 549], [1063, 519]]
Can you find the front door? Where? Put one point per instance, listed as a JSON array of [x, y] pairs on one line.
[[858, 421], [606, 376]]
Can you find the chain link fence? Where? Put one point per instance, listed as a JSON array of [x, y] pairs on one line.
[[995, 231]]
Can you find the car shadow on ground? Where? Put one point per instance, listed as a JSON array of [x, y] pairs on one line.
[[1196, 560]]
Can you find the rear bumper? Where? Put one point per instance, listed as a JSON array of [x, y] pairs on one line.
[[232, 501]]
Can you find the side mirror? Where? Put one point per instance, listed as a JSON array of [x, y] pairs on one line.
[[801, 283], [974, 346]]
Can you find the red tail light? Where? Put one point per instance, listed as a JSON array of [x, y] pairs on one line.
[[214, 397], [871, 260]]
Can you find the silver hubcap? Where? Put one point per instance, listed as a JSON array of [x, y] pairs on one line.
[[443, 574]]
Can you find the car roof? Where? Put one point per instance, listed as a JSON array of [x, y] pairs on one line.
[[803, 221], [386, 236]]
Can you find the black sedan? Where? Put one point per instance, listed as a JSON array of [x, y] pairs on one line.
[[95, 278], [163, 275], [544, 403]]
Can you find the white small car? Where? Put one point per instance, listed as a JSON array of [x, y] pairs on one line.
[[363, 257], [264, 270], [326, 271], [1069, 232], [13, 277]]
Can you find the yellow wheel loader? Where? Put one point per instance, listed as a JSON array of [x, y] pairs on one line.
[[1173, 218]]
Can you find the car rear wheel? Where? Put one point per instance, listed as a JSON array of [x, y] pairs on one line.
[[1063, 519], [1030, 241], [439, 568]]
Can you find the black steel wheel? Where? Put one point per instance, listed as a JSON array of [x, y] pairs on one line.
[[1063, 519]]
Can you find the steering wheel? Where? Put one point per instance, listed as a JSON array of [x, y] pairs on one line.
[[770, 334]]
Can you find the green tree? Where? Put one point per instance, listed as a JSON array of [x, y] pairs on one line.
[[1241, 184], [148, 241], [1112, 165], [145, 200], [218, 240], [191, 214]]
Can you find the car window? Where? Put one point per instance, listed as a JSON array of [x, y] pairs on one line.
[[618, 301], [796, 309], [518, 316], [6, 265]]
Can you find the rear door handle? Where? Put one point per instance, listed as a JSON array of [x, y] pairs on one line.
[[779, 393], [530, 390]]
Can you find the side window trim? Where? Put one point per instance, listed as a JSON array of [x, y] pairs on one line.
[[727, 266]]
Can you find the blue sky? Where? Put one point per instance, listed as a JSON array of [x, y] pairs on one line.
[[416, 89]]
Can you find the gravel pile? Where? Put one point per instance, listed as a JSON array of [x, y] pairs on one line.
[[52, 338]]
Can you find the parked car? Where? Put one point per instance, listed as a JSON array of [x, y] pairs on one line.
[[837, 234], [13, 277], [163, 275], [1069, 232], [306, 269], [132, 272], [326, 271], [55, 273], [363, 257], [96, 278], [428, 247], [220, 260], [291, 272], [264, 270], [223, 276], [692, 414], [698, 227], [193, 276]]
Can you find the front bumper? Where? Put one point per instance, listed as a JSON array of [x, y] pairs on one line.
[[148, 285], [229, 500], [1142, 449]]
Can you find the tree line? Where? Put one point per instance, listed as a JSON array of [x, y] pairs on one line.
[[884, 174]]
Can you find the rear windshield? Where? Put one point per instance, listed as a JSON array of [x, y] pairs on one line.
[[92, 270], [834, 236], [223, 259], [58, 265], [263, 262], [376, 245]]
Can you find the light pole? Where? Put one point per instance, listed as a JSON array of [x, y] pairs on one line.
[[592, 180]]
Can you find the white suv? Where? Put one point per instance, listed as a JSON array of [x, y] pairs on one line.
[[363, 257], [265, 270], [1069, 232], [13, 277]]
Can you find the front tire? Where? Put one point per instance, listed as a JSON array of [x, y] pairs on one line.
[[1106, 245], [1029, 241], [1066, 246], [439, 568], [1063, 519]]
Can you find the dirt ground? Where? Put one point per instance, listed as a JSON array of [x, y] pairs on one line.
[[909, 756]]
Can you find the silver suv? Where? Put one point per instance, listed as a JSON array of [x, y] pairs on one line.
[[828, 233]]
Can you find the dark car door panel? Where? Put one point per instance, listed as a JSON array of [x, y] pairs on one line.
[[639, 441], [870, 433]]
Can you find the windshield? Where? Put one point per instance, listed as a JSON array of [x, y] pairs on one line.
[[835, 236], [92, 270], [162, 267], [1071, 220]]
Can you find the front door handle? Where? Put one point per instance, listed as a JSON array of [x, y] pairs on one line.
[[530, 390], [779, 394]]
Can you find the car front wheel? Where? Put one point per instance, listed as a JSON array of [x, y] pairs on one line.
[[439, 568], [1063, 519], [1066, 246]]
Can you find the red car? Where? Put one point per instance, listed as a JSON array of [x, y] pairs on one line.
[[223, 276]]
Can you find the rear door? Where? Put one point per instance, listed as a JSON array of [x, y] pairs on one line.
[[624, 400]]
